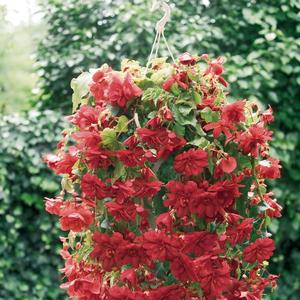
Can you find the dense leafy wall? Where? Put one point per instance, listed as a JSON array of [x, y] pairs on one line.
[[28, 236]]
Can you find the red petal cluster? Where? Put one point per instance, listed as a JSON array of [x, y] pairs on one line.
[[108, 86], [157, 208], [191, 162]]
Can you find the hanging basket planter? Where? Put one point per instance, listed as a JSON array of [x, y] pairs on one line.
[[163, 189]]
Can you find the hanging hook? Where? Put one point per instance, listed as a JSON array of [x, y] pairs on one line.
[[160, 25], [160, 28]]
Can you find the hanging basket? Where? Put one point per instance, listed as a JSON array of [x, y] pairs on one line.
[[163, 185]]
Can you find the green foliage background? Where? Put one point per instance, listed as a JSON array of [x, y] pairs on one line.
[[259, 39], [29, 239]]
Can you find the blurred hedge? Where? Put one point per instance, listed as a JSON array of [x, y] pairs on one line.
[[258, 38], [28, 236]]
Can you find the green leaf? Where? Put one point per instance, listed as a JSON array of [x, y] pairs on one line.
[[105, 224], [192, 76], [109, 138], [185, 107], [145, 83], [179, 129], [122, 125], [119, 171], [67, 184], [197, 97], [80, 87], [152, 94], [196, 286], [209, 116], [184, 113], [175, 90], [210, 164], [199, 130], [200, 142]]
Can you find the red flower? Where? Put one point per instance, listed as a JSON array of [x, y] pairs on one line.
[[234, 112], [87, 139], [200, 243], [92, 187], [267, 117], [129, 276], [269, 168], [160, 246], [219, 127], [223, 81], [274, 208], [181, 79], [170, 292], [215, 67], [97, 158], [162, 140], [180, 195], [121, 92], [145, 188], [187, 59], [130, 89], [86, 287], [226, 192], [75, 218], [106, 247], [183, 269], [122, 212], [122, 190], [61, 164], [213, 274], [132, 158], [121, 293], [250, 140], [53, 206], [100, 84], [85, 117], [132, 254], [131, 142], [238, 233], [262, 249], [191, 162], [167, 114], [164, 221], [204, 203], [228, 164]]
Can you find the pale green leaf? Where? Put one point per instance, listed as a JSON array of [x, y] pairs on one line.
[[109, 137], [80, 87], [122, 125]]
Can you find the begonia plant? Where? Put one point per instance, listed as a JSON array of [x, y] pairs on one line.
[[163, 185]]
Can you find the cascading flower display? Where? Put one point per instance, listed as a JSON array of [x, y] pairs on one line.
[[163, 186]]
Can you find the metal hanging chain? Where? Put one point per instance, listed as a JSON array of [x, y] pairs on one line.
[[160, 28]]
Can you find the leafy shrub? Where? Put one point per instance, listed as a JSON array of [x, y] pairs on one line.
[[28, 237]]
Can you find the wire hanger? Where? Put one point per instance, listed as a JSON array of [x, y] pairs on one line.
[[160, 28]]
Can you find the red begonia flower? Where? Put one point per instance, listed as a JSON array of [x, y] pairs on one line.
[[262, 249], [228, 164], [187, 59], [75, 218], [234, 112], [191, 162]]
